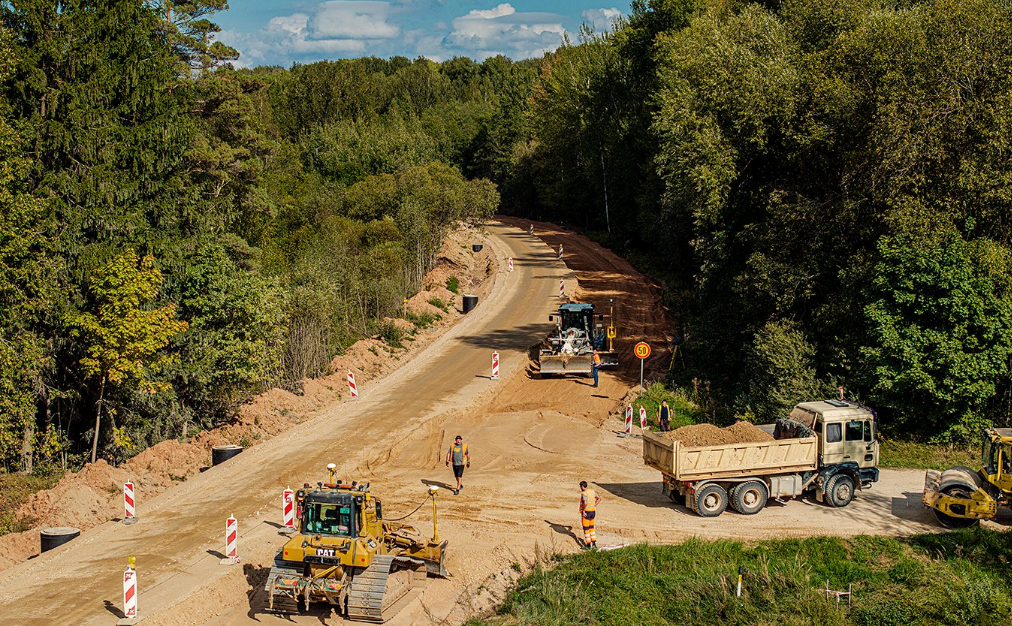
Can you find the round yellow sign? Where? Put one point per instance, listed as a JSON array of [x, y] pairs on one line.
[[641, 350]]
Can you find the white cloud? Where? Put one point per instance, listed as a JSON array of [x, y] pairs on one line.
[[354, 19], [336, 28], [601, 19], [501, 30]]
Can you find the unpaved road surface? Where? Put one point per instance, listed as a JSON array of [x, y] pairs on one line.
[[531, 441]]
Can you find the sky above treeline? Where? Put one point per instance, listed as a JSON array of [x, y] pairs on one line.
[[279, 32]]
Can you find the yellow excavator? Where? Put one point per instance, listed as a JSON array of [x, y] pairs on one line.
[[961, 496], [344, 554]]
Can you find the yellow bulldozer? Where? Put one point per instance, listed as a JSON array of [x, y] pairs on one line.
[[345, 555], [961, 496]]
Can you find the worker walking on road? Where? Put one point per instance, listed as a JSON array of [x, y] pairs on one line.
[[588, 511], [595, 364], [664, 416], [460, 458]]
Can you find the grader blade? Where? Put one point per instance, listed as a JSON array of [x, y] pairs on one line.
[[559, 364]]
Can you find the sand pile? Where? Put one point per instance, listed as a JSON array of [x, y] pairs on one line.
[[710, 435]]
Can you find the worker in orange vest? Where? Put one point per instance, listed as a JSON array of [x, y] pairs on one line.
[[595, 364], [588, 511]]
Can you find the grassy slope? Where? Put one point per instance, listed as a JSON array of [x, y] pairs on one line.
[[14, 489], [951, 578]]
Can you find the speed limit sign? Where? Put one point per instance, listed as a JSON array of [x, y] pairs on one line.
[[642, 350]]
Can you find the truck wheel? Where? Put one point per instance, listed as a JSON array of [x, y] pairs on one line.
[[840, 491], [750, 497], [711, 500]]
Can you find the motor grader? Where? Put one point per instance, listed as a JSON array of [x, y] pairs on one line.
[[961, 496], [344, 554], [570, 348]]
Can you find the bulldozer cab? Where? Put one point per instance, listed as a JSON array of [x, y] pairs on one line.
[[341, 512]]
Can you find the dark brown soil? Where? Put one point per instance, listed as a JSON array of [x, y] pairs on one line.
[[709, 435]]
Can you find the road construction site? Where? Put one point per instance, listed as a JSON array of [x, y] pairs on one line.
[[531, 441]]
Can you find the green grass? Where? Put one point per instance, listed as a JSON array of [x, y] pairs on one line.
[[423, 320], [453, 284], [950, 578], [893, 453], [14, 489], [440, 304], [683, 412]]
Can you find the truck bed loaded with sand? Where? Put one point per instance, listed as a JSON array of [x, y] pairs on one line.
[[826, 447]]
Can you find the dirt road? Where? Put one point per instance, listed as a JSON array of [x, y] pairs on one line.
[[531, 441]]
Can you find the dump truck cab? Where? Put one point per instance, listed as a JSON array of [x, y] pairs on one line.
[[846, 430]]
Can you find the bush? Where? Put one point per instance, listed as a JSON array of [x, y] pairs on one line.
[[440, 304], [453, 284], [423, 320], [391, 334]]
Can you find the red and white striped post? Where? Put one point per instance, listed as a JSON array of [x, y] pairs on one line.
[[511, 263], [231, 541], [130, 591], [562, 287], [129, 504], [560, 251], [288, 507], [628, 420], [643, 419], [495, 366], [351, 385]]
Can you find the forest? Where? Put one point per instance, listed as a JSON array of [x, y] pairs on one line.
[[823, 186]]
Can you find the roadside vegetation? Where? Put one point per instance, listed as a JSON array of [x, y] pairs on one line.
[[951, 578]]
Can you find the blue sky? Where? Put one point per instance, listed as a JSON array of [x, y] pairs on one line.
[[275, 32]]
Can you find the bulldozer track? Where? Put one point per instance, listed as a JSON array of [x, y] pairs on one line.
[[368, 600]]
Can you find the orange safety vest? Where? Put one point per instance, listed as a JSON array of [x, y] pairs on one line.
[[588, 500], [597, 359]]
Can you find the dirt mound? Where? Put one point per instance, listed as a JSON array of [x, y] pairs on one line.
[[709, 435]]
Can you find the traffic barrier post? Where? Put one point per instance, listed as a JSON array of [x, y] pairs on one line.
[[628, 420], [511, 263], [643, 419], [129, 504], [562, 287], [495, 366], [130, 615], [288, 510], [351, 385], [231, 541], [560, 251]]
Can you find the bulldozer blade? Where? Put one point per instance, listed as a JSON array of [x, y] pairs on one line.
[[434, 568], [565, 364]]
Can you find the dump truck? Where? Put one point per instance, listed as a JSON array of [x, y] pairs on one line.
[[962, 496], [827, 447], [344, 554], [569, 349]]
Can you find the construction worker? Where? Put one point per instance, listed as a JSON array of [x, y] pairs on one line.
[[595, 364], [588, 511], [460, 458], [664, 416]]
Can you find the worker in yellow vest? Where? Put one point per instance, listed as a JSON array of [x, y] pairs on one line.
[[588, 511], [595, 364], [458, 455]]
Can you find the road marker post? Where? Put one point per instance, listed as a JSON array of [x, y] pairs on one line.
[[130, 615], [351, 385], [562, 287], [129, 512], [231, 541], [628, 421], [643, 420], [495, 366], [560, 251], [511, 263], [288, 510]]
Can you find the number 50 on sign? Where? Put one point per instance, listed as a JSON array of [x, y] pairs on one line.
[[642, 350]]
